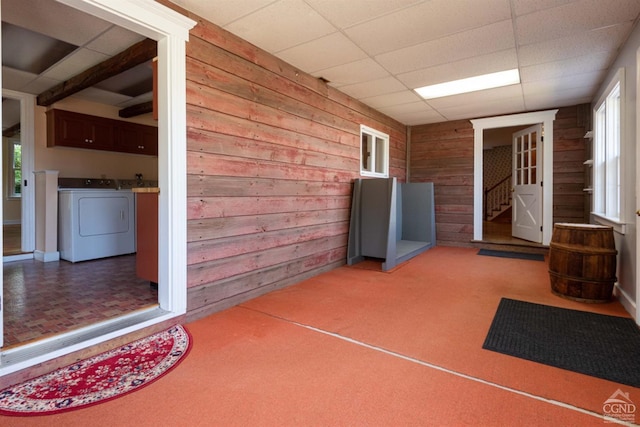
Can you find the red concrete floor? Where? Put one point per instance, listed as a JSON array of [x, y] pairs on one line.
[[356, 346]]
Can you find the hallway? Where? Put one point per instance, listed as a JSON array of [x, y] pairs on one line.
[[357, 346]]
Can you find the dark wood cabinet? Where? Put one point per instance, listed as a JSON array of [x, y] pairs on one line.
[[135, 138], [69, 129], [79, 130]]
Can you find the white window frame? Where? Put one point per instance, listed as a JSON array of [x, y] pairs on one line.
[[375, 153], [11, 169], [608, 135]]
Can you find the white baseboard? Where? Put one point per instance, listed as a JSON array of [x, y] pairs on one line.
[[19, 257], [46, 256], [627, 302]]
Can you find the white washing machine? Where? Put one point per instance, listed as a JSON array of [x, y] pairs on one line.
[[95, 223]]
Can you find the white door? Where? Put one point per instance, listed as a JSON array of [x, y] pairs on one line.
[[527, 189]]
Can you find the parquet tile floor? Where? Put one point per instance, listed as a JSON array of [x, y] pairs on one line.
[[46, 298]]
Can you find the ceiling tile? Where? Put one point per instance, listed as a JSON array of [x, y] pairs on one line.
[[467, 44], [424, 22], [346, 13], [560, 98], [494, 107], [114, 41], [588, 82], [418, 117], [353, 72], [606, 39], [39, 85], [291, 23], [411, 107], [75, 63], [373, 88], [224, 11], [522, 7], [43, 51], [329, 51], [55, 22], [573, 18], [16, 79], [468, 67], [397, 98], [580, 64], [101, 96]]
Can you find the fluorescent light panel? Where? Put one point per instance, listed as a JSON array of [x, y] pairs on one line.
[[471, 84]]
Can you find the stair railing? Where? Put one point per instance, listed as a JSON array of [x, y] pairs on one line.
[[497, 196]]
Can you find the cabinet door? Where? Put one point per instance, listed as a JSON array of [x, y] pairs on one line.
[[69, 129], [135, 138], [101, 133]]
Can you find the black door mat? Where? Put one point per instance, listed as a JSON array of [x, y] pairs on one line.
[[509, 254], [598, 345]]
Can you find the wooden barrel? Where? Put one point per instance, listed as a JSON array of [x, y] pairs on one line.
[[582, 262]]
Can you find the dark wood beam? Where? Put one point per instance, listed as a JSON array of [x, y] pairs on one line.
[[135, 55], [11, 131], [136, 110]]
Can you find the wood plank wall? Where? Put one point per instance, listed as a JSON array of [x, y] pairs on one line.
[[442, 153], [272, 154], [570, 150]]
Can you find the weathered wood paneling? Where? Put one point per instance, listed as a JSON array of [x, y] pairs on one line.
[[271, 156], [443, 153], [569, 199]]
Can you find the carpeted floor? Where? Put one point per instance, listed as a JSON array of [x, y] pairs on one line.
[[357, 347], [602, 346]]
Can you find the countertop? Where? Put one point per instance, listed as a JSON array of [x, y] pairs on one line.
[[146, 189]]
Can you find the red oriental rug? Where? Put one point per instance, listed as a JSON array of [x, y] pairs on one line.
[[99, 378]]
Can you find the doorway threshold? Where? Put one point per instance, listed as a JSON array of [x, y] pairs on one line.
[[25, 356], [513, 246]]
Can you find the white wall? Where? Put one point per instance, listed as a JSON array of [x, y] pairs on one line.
[[626, 244]]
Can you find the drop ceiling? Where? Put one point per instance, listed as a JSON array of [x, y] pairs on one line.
[[377, 51], [44, 43]]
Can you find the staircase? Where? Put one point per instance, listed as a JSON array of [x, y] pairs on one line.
[[497, 199]]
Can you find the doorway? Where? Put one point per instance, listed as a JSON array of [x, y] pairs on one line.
[[171, 30], [18, 162], [497, 181], [545, 158]]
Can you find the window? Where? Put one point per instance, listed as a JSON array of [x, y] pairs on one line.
[[15, 169], [374, 152], [606, 151]]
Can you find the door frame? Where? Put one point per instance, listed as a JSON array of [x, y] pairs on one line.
[[171, 31], [27, 140], [479, 125]]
